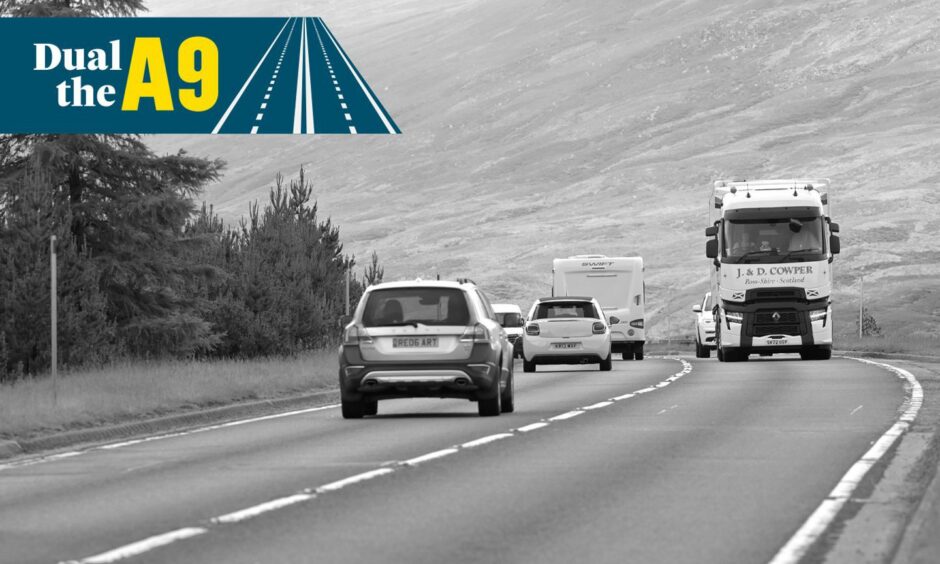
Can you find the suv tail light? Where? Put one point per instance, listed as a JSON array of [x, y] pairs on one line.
[[355, 335], [598, 328], [475, 333], [637, 323], [532, 329]]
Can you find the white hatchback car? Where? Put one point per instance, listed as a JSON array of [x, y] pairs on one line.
[[566, 330], [704, 327]]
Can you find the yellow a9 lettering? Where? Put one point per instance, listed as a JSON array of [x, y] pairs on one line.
[[207, 75], [147, 56]]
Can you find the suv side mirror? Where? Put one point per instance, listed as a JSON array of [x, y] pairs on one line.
[[697, 308], [711, 248]]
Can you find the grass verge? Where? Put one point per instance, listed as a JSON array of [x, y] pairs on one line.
[[130, 391]]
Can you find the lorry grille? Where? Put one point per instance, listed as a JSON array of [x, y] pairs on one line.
[[767, 317], [775, 294], [764, 330]]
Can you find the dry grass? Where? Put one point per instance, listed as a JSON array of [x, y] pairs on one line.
[[127, 391], [898, 345]]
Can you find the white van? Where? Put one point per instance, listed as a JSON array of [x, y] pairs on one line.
[[510, 317], [617, 283]]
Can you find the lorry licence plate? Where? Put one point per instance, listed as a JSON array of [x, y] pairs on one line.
[[776, 341]]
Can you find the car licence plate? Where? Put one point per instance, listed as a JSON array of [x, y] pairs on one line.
[[565, 345], [414, 342], [776, 341]]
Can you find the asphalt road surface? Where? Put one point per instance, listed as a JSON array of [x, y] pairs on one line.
[[708, 463], [305, 83]]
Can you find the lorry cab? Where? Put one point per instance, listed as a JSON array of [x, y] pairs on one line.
[[617, 284], [772, 244]]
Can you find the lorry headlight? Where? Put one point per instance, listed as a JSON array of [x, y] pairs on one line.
[[733, 317], [818, 315]]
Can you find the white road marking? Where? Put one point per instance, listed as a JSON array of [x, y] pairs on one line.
[[486, 440], [309, 95], [352, 130], [238, 96], [532, 427], [151, 543], [820, 520], [143, 546], [623, 397], [567, 415], [597, 405], [259, 117], [854, 411], [261, 508], [300, 77], [348, 117], [254, 130], [340, 484], [429, 456], [362, 86]]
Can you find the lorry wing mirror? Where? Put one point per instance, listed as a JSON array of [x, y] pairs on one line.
[[834, 244], [711, 231], [833, 227], [711, 248], [697, 308]]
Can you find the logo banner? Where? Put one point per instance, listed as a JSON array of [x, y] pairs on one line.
[[182, 75]]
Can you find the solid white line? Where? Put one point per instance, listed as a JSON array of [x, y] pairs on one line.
[[362, 86], [262, 508], [238, 96], [430, 456], [300, 80], [309, 95], [340, 484], [486, 440], [820, 520], [143, 546]]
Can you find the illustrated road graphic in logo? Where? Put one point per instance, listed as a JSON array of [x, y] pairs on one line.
[[182, 75], [305, 83]]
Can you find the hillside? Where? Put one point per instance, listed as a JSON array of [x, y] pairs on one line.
[[540, 129]]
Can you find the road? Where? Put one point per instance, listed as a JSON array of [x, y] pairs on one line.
[[305, 83], [707, 463]]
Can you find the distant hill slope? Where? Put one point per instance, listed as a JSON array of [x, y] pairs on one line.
[[534, 130]]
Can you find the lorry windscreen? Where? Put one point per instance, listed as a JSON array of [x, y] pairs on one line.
[[776, 240]]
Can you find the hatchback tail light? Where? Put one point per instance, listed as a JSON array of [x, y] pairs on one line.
[[475, 333], [532, 329], [598, 328]]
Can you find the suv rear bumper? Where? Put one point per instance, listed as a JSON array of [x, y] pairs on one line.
[[474, 378]]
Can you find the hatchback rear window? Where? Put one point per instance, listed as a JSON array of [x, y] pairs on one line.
[[553, 310], [406, 306]]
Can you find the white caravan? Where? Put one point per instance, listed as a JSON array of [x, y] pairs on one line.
[[617, 284]]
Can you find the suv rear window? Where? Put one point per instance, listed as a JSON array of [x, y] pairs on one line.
[[405, 306], [552, 310]]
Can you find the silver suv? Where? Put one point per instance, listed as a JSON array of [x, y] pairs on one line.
[[425, 339]]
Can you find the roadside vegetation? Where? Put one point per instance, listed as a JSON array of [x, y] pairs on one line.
[[134, 390]]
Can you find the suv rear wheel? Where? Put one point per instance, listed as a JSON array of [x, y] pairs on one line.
[[528, 366], [508, 401], [353, 409], [489, 407]]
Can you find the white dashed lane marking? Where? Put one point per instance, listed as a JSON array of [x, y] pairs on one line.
[[277, 67], [329, 66], [309, 494]]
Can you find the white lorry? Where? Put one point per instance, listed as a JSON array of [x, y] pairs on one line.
[[772, 243], [617, 284]]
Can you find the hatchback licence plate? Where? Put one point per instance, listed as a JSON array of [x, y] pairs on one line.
[[565, 345], [414, 342]]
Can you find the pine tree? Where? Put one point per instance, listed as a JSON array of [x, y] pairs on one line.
[[125, 208]]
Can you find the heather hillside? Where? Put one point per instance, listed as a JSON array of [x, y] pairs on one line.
[[540, 129]]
